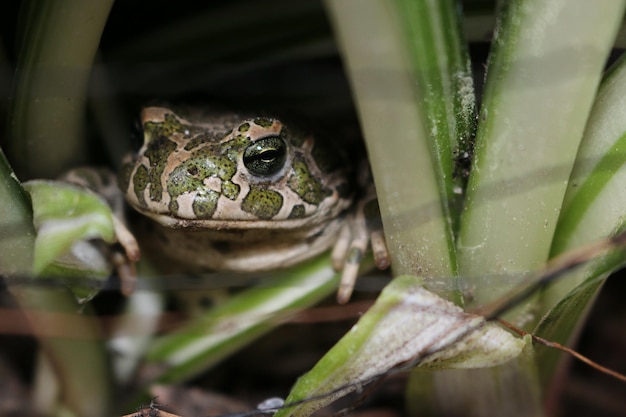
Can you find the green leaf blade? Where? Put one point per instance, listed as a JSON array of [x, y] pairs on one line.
[[66, 214], [541, 82], [244, 317]]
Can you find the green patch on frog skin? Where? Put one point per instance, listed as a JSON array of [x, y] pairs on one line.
[[173, 207], [202, 139], [230, 190], [244, 127], [263, 121], [157, 153], [189, 177], [262, 203], [234, 147], [204, 204], [171, 125], [141, 179], [211, 165], [297, 212], [306, 185]]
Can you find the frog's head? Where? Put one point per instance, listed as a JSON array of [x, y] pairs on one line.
[[233, 171]]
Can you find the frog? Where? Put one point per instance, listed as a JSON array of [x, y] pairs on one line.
[[226, 191]]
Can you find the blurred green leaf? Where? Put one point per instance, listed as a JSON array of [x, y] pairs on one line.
[[58, 44], [66, 217]]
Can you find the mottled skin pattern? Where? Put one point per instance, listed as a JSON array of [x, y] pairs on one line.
[[236, 193]]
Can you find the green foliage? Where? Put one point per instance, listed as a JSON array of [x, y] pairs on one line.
[[547, 172]]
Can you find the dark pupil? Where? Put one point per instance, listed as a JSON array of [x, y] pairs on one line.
[[265, 156], [269, 155]]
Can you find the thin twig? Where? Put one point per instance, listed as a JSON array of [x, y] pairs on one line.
[[559, 346]]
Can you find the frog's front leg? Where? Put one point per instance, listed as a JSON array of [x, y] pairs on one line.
[[363, 227], [103, 182]]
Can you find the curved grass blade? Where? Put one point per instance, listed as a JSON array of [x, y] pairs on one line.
[[58, 46], [67, 218], [594, 207], [221, 331]]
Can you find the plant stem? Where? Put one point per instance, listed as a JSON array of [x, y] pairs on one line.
[[543, 72], [394, 122]]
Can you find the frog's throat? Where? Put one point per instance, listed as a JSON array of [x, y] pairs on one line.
[[242, 249]]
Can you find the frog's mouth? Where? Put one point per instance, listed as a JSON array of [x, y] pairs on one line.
[[286, 225]]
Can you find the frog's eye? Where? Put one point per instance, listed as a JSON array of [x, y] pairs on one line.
[[265, 156]]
